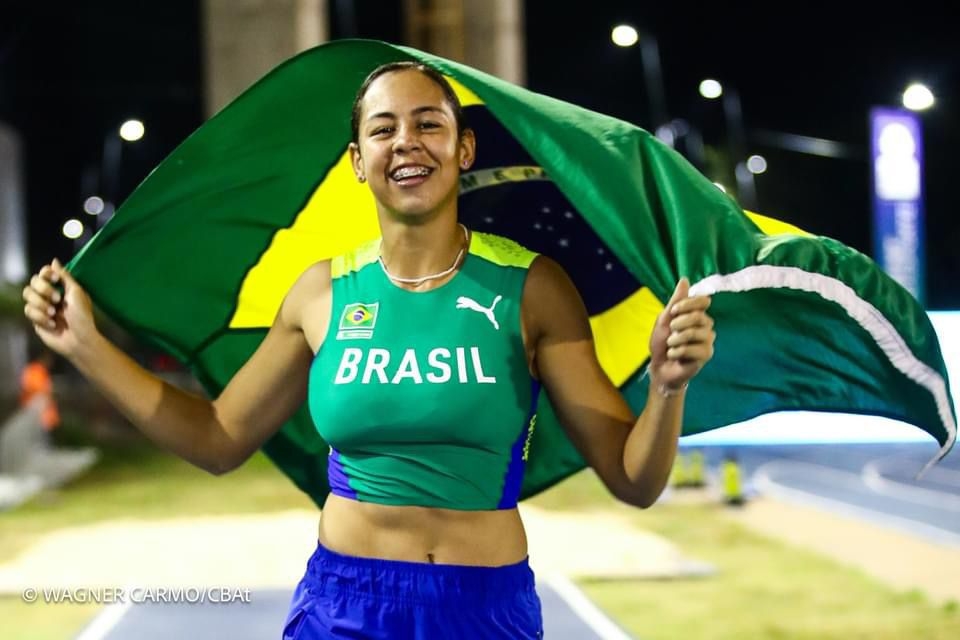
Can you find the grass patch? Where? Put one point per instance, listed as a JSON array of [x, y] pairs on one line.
[[40, 621], [139, 482], [129, 482], [764, 589]]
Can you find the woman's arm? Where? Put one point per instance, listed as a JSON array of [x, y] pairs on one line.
[[214, 435], [633, 456]]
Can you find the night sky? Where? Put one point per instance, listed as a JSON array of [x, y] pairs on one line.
[[69, 72]]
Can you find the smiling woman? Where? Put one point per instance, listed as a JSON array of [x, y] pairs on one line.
[[411, 144], [455, 332]]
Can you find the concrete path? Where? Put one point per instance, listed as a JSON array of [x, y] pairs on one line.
[[900, 560], [259, 551]]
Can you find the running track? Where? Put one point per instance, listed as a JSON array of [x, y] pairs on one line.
[[567, 613], [873, 482]]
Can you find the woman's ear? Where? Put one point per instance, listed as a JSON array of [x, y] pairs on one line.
[[468, 149], [357, 162]]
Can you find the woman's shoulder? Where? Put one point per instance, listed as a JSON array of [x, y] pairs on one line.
[[313, 282], [316, 273], [547, 273], [317, 278]]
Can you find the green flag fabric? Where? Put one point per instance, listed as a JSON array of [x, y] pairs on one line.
[[199, 257]]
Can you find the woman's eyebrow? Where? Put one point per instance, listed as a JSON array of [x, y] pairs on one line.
[[415, 112]]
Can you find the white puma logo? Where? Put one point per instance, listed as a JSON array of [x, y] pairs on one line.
[[463, 302]]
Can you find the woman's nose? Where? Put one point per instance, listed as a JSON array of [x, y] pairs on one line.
[[407, 138]]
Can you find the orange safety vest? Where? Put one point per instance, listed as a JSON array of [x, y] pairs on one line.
[[35, 381]]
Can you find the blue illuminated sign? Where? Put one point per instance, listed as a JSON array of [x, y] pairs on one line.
[[898, 225]]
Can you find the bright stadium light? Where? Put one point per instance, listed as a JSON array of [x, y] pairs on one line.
[[667, 135], [624, 35], [918, 97], [73, 228], [93, 205], [711, 89], [756, 164], [132, 130]]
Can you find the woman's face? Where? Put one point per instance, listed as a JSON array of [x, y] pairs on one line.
[[408, 148]]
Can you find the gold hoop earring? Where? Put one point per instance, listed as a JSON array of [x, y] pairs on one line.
[[362, 179]]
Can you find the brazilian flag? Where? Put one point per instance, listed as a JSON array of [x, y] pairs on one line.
[[198, 259]]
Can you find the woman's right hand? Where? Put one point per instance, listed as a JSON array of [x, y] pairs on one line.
[[62, 316]]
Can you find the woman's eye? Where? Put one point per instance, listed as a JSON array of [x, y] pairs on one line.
[[381, 131], [429, 125]]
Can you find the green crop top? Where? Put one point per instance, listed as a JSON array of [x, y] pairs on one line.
[[426, 398]]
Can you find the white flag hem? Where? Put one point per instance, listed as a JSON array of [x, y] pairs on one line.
[[862, 312]]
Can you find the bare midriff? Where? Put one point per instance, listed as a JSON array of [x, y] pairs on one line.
[[422, 534]]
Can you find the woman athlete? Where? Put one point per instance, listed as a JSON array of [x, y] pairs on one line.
[[421, 356]]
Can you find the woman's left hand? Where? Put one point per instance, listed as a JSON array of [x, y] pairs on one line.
[[682, 339]]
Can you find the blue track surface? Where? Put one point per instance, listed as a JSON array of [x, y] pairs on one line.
[[261, 618], [876, 482]]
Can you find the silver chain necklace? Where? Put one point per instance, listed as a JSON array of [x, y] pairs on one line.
[[421, 280]]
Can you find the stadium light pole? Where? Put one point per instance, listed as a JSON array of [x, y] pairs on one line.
[[130, 131], [625, 35], [736, 137], [712, 89]]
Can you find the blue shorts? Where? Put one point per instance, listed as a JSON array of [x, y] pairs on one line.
[[347, 597]]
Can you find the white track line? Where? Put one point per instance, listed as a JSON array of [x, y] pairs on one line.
[[105, 621], [901, 491], [939, 475], [583, 607], [765, 484]]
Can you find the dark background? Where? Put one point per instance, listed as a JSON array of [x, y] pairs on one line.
[[71, 72]]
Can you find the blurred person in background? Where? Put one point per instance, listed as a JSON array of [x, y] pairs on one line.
[[36, 382], [732, 481]]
